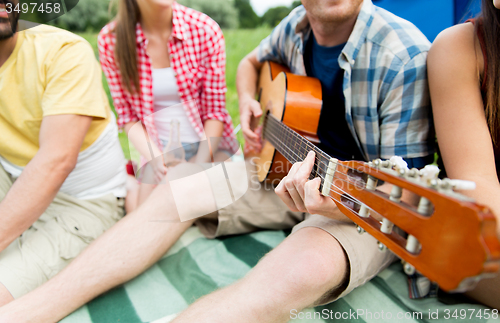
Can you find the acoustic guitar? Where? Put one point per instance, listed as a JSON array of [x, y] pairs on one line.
[[449, 238]]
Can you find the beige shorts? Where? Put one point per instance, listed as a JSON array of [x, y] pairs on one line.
[[59, 235], [261, 208]]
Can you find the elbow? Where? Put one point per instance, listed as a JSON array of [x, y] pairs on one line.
[[63, 163]]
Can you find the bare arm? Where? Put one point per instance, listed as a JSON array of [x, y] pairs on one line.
[[137, 135], [462, 132], [213, 132], [60, 138], [250, 110]]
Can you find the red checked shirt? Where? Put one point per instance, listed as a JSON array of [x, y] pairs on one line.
[[197, 56]]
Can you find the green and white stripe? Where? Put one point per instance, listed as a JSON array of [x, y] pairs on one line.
[[196, 266]]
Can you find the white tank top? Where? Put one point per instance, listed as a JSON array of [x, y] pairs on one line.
[[99, 170], [167, 105]]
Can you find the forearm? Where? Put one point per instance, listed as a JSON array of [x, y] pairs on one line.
[[31, 194], [136, 134], [487, 193], [213, 132], [247, 76]]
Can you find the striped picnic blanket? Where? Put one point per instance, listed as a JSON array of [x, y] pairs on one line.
[[196, 266]]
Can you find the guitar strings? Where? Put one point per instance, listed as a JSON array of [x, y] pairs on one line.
[[318, 152], [356, 182], [316, 173], [336, 188], [277, 125], [282, 145], [274, 122]]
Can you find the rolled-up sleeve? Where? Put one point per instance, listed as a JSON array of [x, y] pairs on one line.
[[213, 92]]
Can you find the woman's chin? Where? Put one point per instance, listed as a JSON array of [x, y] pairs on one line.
[[160, 3]]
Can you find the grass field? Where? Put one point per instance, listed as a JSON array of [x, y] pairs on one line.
[[239, 42]]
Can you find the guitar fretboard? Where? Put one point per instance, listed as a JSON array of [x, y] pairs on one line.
[[293, 146]]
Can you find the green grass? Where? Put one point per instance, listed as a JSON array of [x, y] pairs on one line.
[[239, 43]]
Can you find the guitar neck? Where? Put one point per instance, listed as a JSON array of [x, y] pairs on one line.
[[293, 146]]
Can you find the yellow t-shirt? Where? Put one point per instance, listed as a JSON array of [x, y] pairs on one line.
[[50, 72]]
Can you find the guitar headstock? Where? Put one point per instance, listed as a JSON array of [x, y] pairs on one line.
[[446, 236]]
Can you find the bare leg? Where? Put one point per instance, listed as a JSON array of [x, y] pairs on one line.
[[300, 271], [147, 185], [127, 249], [487, 292], [144, 192], [5, 296]]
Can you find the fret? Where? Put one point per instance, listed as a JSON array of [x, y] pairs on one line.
[[293, 146]]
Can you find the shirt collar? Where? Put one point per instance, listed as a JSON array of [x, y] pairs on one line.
[[357, 37], [360, 31], [178, 22], [178, 25]]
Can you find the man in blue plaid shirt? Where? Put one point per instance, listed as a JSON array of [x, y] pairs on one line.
[[372, 68]]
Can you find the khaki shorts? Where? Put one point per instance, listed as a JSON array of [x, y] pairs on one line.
[[59, 235], [261, 208]]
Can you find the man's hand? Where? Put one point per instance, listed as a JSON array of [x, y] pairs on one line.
[[250, 113], [250, 110], [301, 194]]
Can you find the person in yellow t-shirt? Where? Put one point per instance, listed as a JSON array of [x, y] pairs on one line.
[[62, 170]]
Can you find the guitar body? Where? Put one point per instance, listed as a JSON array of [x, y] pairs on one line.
[[296, 101]]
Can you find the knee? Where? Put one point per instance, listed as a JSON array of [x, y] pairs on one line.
[[312, 270], [317, 261]]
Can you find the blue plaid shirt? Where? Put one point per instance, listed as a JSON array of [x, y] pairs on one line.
[[385, 80]]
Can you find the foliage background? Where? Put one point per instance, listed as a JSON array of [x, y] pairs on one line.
[[92, 15]]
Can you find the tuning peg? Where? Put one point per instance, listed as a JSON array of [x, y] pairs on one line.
[[399, 163], [408, 269], [381, 246], [460, 184], [429, 172], [385, 164], [413, 172], [377, 162], [360, 229]]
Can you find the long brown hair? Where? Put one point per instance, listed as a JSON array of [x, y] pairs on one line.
[[490, 17], [126, 47]]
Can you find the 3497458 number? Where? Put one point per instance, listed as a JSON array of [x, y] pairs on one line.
[[35, 7], [464, 314]]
